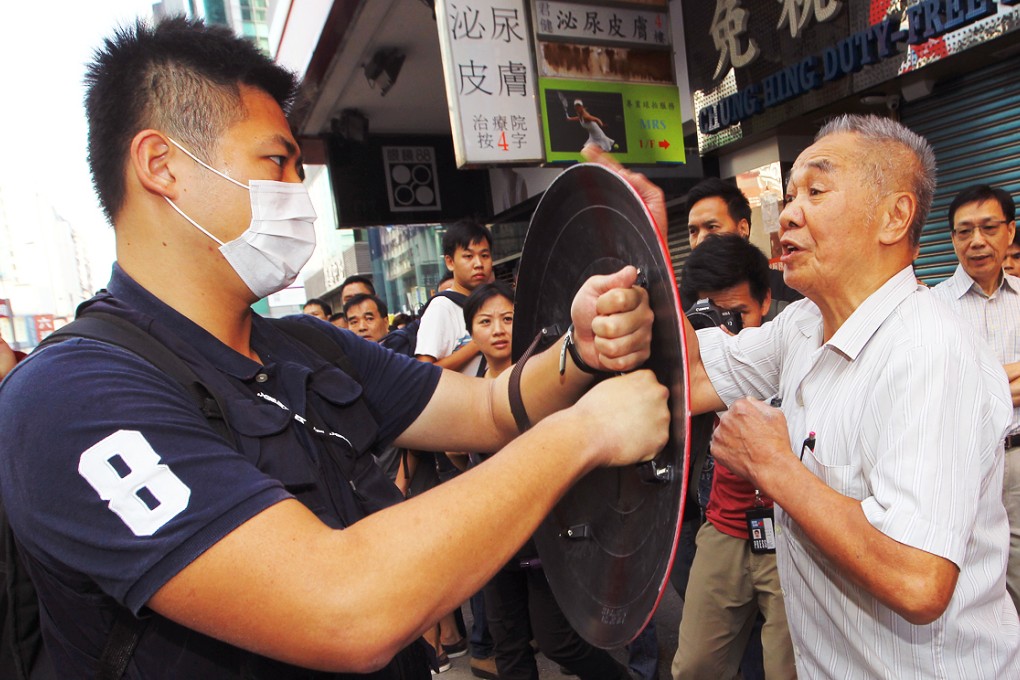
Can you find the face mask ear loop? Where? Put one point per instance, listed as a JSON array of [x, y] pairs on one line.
[[205, 165], [193, 222]]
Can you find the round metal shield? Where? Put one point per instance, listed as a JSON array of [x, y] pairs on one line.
[[608, 545]]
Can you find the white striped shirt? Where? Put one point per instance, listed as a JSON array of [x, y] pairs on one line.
[[909, 414], [995, 316]]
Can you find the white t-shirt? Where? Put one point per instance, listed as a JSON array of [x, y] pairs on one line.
[[443, 331]]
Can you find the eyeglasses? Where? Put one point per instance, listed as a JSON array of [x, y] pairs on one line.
[[988, 229]]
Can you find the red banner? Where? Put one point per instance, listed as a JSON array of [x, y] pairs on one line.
[[43, 325]]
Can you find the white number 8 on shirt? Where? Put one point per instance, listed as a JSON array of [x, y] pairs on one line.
[[125, 470]]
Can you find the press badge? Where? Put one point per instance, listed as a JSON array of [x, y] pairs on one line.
[[761, 531]]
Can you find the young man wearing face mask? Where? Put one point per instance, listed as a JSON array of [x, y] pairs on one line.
[[223, 554]]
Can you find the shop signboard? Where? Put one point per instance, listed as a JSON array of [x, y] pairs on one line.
[[606, 78], [43, 325], [488, 68], [637, 123], [575, 22], [753, 65]]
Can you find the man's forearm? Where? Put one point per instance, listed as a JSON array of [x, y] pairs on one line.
[[1013, 376], [543, 390], [457, 360], [285, 585], [704, 398], [915, 584], [460, 357]]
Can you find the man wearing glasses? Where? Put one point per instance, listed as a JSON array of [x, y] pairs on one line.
[[983, 227]]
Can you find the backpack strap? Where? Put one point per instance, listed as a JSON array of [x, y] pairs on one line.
[[115, 330], [109, 328], [22, 638], [319, 342], [459, 298], [120, 646]]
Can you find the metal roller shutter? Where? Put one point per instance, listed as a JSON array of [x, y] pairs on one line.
[[973, 123]]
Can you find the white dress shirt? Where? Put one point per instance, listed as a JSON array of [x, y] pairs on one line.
[[996, 317], [909, 414]]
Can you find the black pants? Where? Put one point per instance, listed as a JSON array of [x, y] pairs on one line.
[[520, 606]]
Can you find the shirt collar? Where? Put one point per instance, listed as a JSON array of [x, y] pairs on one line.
[[1011, 282], [857, 330], [960, 283], [177, 330]]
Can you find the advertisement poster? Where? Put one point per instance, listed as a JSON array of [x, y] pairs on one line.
[[636, 123]]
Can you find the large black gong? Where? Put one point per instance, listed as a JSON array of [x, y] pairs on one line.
[[608, 545]]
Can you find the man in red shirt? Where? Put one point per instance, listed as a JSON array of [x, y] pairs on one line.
[[734, 575]]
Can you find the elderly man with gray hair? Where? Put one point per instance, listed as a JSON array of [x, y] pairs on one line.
[[875, 420]]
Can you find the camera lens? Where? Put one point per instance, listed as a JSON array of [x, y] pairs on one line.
[[701, 320]]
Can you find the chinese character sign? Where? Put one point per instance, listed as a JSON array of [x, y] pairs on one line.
[[728, 25], [568, 20], [490, 81]]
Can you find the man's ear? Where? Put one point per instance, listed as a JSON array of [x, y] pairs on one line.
[[896, 213], [150, 157], [744, 228], [766, 303], [449, 262]]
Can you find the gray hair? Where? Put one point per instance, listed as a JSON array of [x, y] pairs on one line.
[[881, 130]]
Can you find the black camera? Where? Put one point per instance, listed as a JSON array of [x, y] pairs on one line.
[[704, 314]]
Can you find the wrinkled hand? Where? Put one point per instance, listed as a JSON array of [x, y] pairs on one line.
[[7, 358], [751, 439], [627, 418], [650, 193], [612, 321]]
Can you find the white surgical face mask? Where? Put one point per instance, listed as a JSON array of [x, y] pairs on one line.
[[280, 239]]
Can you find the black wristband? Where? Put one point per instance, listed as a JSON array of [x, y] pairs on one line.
[[570, 348]]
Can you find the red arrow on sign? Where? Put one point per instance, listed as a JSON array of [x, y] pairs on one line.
[[664, 144]]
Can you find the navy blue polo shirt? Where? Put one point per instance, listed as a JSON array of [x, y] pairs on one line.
[[114, 481]]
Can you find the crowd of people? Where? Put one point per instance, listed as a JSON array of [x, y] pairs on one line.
[[311, 501]]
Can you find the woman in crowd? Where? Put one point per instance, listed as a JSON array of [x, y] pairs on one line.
[[518, 601]]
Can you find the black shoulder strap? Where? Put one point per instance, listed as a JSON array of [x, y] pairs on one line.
[[22, 637], [117, 331], [22, 641], [319, 342], [459, 298], [126, 632], [112, 329]]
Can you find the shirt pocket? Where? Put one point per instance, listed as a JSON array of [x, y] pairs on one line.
[[844, 479]]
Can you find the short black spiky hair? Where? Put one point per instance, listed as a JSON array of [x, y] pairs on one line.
[[713, 187], [177, 75], [723, 261], [462, 233], [362, 297], [979, 193]]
